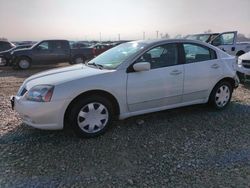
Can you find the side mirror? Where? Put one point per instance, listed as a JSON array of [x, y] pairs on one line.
[[142, 66]]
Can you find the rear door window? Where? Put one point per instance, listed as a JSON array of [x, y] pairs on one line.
[[197, 53], [58, 45]]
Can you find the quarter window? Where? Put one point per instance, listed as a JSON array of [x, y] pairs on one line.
[[196, 53], [161, 56]]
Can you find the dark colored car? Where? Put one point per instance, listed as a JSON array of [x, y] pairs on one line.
[[6, 45], [6, 55], [79, 45], [50, 52], [100, 48]]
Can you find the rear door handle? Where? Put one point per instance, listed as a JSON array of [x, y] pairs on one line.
[[215, 66], [175, 72]]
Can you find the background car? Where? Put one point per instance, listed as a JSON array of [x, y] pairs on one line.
[[6, 45], [100, 48], [243, 67], [50, 52], [226, 41], [79, 45], [131, 79], [5, 56]]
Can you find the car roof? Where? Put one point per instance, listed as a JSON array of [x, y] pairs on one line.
[[55, 40], [162, 41]]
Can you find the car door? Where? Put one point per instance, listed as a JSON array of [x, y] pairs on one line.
[[226, 42], [61, 51], [160, 86], [43, 53], [202, 72]]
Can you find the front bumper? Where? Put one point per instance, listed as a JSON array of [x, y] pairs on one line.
[[243, 70], [47, 115]]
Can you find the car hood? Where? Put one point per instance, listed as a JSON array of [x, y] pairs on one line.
[[5, 52], [245, 56], [21, 51], [62, 75]]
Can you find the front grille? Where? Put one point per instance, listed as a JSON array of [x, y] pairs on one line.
[[23, 92], [246, 63]]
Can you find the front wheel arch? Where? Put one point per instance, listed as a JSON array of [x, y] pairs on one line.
[[16, 64], [239, 53], [102, 93]]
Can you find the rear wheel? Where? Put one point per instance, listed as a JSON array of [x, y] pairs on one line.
[[91, 116], [221, 95]]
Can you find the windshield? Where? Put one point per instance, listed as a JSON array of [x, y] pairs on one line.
[[112, 58]]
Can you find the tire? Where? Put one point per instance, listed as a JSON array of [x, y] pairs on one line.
[[23, 63], [4, 61], [221, 95], [241, 77], [91, 116], [78, 60]]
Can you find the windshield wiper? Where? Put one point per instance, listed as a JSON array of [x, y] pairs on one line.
[[96, 65]]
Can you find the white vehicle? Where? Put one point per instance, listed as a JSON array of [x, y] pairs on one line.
[[226, 41], [243, 67], [130, 79]]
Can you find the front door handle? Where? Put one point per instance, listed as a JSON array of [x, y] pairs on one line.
[[175, 72], [215, 66]]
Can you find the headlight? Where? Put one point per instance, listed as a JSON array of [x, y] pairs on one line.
[[239, 61], [40, 93]]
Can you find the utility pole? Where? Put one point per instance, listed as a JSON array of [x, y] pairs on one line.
[[119, 36], [157, 34], [143, 35], [100, 36]]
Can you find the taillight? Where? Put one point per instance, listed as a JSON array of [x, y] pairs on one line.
[[93, 51]]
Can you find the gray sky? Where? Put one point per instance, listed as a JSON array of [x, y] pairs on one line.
[[85, 19]]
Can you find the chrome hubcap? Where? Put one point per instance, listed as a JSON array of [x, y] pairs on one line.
[[222, 96], [79, 60], [93, 117], [24, 64]]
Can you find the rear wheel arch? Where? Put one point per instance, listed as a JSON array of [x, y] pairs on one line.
[[227, 79], [102, 93]]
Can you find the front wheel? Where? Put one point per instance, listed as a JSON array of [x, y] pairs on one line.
[[221, 95], [3, 61], [91, 116], [23, 63]]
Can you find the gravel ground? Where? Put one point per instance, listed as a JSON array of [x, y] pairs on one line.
[[186, 147]]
